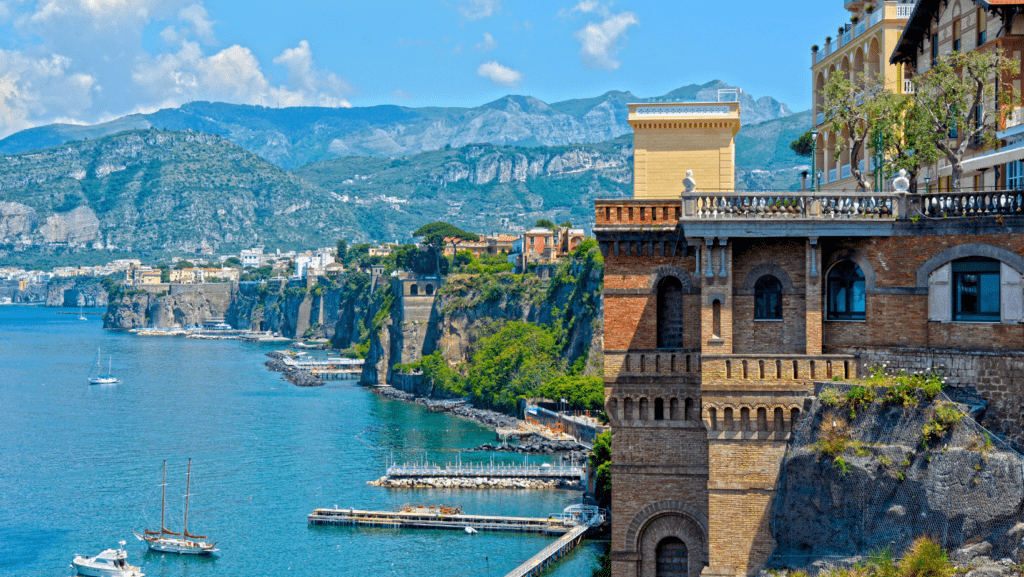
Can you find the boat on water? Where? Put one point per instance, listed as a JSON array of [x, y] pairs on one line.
[[109, 563], [81, 316], [167, 541], [107, 379]]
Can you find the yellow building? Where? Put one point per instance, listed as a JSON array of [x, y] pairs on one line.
[[671, 138], [863, 46]]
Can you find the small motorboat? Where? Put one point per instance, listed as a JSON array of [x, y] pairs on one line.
[[470, 530], [109, 563]]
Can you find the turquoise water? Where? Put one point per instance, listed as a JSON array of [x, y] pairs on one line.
[[80, 465]]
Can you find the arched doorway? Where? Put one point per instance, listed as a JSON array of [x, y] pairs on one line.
[[414, 290], [430, 290], [670, 313], [673, 559]]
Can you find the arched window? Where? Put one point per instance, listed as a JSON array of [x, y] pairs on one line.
[[670, 313], [846, 292], [673, 558], [976, 289], [430, 289], [414, 290], [767, 298]]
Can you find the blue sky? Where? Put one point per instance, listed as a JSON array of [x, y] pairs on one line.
[[94, 60]]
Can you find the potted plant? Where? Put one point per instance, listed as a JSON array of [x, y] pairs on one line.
[[828, 40], [854, 19], [870, 9], [814, 48]]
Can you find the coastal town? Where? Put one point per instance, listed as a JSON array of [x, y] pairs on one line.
[[690, 335]]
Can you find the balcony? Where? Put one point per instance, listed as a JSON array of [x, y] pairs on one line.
[[784, 205], [904, 10], [908, 86], [637, 212], [883, 11]]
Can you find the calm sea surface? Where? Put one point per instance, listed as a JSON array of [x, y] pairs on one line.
[[80, 465]]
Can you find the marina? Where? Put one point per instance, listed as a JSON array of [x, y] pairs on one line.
[[269, 453]]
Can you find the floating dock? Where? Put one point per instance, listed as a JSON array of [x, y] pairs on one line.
[[434, 518], [491, 470]]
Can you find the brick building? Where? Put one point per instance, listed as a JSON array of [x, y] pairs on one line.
[[723, 308]]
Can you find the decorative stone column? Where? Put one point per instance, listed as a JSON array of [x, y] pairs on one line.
[[813, 299]]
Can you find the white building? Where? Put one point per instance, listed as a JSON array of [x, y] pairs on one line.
[[252, 257]]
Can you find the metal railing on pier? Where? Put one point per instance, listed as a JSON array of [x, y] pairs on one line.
[[460, 469]]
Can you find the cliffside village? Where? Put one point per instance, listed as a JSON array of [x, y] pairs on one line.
[[538, 246]]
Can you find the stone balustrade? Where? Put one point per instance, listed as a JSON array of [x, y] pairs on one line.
[[763, 205], [970, 204], [800, 370], [651, 363]]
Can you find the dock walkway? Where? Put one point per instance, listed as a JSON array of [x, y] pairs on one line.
[[434, 519], [486, 470], [537, 564]]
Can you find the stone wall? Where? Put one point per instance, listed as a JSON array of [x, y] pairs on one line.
[[580, 430], [997, 376]]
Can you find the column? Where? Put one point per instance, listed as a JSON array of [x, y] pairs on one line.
[[813, 300]]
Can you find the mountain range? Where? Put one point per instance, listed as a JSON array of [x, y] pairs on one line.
[[215, 179], [293, 137]]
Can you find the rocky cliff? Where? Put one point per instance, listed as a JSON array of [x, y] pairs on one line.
[[76, 292], [852, 486]]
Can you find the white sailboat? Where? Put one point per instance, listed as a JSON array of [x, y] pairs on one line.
[[81, 316], [167, 541], [107, 379]]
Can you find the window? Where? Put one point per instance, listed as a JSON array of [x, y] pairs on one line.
[[956, 36], [982, 21], [1015, 175], [935, 48], [670, 313], [976, 289], [767, 298], [846, 292]]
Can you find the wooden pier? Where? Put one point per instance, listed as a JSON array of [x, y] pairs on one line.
[[491, 470], [434, 518], [537, 564]]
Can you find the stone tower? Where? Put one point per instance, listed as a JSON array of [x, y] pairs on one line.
[[701, 392]]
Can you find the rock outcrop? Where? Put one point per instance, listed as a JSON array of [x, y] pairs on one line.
[[76, 292]]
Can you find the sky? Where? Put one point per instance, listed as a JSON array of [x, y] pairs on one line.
[[88, 61]]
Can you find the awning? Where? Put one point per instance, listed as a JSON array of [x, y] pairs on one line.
[[986, 161]]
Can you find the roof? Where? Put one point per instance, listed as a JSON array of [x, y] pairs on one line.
[[920, 24], [505, 237]]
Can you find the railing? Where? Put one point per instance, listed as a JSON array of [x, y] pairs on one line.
[[847, 38], [904, 10], [460, 469], [799, 205], [846, 171], [971, 204], [859, 28], [652, 363], [801, 368], [908, 86], [832, 175]]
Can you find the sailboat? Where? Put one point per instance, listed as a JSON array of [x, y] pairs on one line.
[[107, 379], [81, 316], [167, 541]]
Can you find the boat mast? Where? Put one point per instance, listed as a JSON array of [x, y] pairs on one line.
[[188, 483], [163, 498]]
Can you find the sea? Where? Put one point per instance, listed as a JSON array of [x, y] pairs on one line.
[[81, 465]]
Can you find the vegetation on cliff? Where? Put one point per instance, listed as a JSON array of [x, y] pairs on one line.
[[515, 359]]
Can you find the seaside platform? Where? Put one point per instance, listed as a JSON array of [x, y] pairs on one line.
[[437, 518]]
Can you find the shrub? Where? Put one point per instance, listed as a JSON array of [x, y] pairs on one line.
[[835, 435], [925, 559], [946, 416]]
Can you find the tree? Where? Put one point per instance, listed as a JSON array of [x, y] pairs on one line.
[[906, 141], [545, 223], [600, 463], [436, 233], [183, 264], [342, 250], [802, 146], [512, 361], [566, 224], [233, 261], [849, 110], [958, 99], [165, 272]]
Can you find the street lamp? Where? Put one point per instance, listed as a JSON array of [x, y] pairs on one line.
[[814, 157], [927, 183]]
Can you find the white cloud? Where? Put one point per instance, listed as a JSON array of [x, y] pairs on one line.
[[477, 9], [170, 35], [486, 44], [399, 94], [499, 74], [235, 75], [199, 18], [584, 7], [44, 87], [599, 42]]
